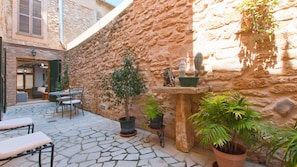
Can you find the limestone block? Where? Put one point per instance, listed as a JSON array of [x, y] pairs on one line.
[[284, 88], [251, 83], [284, 107]]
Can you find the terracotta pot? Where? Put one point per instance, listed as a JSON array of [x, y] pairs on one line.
[[230, 160]]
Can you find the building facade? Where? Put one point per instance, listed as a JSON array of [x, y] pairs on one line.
[[43, 27]]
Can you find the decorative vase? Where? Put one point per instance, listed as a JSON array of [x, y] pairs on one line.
[[230, 160], [188, 81]]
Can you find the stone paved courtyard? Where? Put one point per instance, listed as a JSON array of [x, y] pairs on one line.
[[90, 140]]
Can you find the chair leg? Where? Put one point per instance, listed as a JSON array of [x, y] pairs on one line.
[[70, 110], [52, 155], [31, 127], [62, 110], [39, 158], [82, 110]]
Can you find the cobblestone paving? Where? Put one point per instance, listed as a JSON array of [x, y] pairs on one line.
[[90, 140]]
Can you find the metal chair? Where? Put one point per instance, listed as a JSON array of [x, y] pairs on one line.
[[60, 99], [75, 101]]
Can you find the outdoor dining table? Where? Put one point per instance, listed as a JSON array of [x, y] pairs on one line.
[[66, 93]]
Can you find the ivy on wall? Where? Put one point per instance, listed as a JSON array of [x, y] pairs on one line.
[[258, 18]]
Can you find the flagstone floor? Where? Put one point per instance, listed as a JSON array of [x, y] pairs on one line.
[[90, 140]]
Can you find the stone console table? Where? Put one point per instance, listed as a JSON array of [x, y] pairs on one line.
[[184, 129]]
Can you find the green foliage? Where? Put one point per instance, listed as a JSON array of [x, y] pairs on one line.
[[258, 17], [123, 83], [65, 79], [285, 139], [224, 119], [58, 86], [64, 82], [152, 107]]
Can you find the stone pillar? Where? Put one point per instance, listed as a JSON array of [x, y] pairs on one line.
[[185, 136], [184, 131]]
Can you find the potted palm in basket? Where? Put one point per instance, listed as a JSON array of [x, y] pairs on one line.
[[154, 112], [226, 122]]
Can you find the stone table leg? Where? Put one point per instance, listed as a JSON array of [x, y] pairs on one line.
[[184, 127]]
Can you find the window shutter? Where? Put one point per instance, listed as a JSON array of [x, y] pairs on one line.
[[36, 29], [30, 17], [24, 16]]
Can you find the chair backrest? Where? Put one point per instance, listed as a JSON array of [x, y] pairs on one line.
[[77, 93]]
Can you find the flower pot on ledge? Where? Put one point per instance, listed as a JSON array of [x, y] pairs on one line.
[[188, 81]]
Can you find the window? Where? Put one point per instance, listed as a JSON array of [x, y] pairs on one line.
[[29, 20], [25, 78]]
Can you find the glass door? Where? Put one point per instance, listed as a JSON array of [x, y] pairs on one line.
[[25, 79]]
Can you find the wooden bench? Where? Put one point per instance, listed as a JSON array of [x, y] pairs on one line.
[[17, 123], [24, 145]]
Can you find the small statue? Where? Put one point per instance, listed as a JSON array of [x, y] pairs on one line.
[[168, 78], [182, 69], [190, 71]]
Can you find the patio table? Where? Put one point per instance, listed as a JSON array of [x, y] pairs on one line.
[[63, 96], [65, 93]]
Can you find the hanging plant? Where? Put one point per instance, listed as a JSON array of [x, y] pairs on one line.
[[257, 18]]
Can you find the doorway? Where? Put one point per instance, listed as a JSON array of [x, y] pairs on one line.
[[32, 74]]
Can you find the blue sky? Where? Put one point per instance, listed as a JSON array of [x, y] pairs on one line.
[[114, 2]]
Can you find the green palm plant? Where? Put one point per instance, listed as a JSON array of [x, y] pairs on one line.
[[152, 107], [153, 111], [225, 119], [285, 139]]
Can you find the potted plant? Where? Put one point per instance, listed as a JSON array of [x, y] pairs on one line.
[[223, 121], [284, 142], [154, 112], [191, 81], [123, 84]]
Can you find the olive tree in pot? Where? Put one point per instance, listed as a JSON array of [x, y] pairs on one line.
[[226, 123], [123, 84]]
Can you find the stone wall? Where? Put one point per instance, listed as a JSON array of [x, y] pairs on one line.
[[1, 19], [77, 19], [266, 74], [159, 32], [163, 33]]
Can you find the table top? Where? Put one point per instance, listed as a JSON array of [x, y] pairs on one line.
[[181, 90], [63, 93]]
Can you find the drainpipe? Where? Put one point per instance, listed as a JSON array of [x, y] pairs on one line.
[[61, 23]]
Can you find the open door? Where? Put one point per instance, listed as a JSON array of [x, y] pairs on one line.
[[2, 79], [55, 76]]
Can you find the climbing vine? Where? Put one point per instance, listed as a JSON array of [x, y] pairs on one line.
[[258, 17]]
